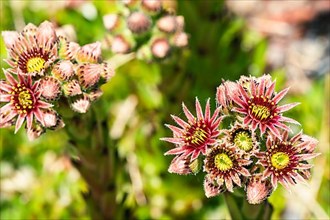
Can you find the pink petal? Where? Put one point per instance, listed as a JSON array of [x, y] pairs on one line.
[[280, 95], [195, 154], [215, 114], [289, 120], [188, 114], [207, 110], [262, 128], [199, 110], [239, 110], [266, 174], [39, 116], [270, 90], [172, 140], [244, 171], [243, 93], [180, 122], [45, 105], [19, 122], [229, 184], [5, 97], [236, 179], [10, 78], [273, 180], [4, 86], [274, 131], [177, 150], [247, 120], [175, 129], [261, 87], [307, 156], [286, 107], [29, 119], [10, 38], [46, 33]]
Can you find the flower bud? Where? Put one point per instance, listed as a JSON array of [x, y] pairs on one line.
[[111, 21], [50, 88], [138, 22], [167, 24], [81, 105], [34, 132], [63, 70], [89, 74], [160, 48], [180, 165], [120, 45], [72, 88], [67, 50], [152, 6], [89, 53], [257, 190], [181, 39]]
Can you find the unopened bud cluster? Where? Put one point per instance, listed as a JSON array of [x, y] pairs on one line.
[[255, 152], [146, 28], [46, 69]]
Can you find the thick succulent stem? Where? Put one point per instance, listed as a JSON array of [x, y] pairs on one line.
[[96, 161], [240, 209]]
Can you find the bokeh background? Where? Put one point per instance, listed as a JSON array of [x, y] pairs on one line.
[[287, 39]]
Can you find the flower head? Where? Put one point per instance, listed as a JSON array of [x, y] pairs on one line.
[[32, 50], [23, 101], [260, 108], [285, 158], [243, 138], [194, 137], [224, 166]]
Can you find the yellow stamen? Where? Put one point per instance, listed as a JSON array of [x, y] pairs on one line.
[[35, 64], [261, 112]]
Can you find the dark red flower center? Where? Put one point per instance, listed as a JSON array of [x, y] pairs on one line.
[[33, 60], [197, 135], [22, 99], [261, 108]]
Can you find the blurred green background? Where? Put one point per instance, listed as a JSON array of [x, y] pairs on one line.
[[37, 178]]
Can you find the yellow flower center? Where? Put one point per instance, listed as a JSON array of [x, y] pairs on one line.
[[260, 112], [196, 137], [35, 64], [280, 160], [22, 99], [223, 162], [243, 140]]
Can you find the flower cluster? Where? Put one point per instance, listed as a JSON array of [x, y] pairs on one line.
[[45, 69], [255, 152], [145, 27]]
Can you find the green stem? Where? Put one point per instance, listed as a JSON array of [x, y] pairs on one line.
[[240, 209], [88, 134]]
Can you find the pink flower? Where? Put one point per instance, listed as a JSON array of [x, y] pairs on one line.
[[224, 167], [160, 48], [259, 104], [285, 159], [23, 101], [243, 138], [33, 50], [194, 137]]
